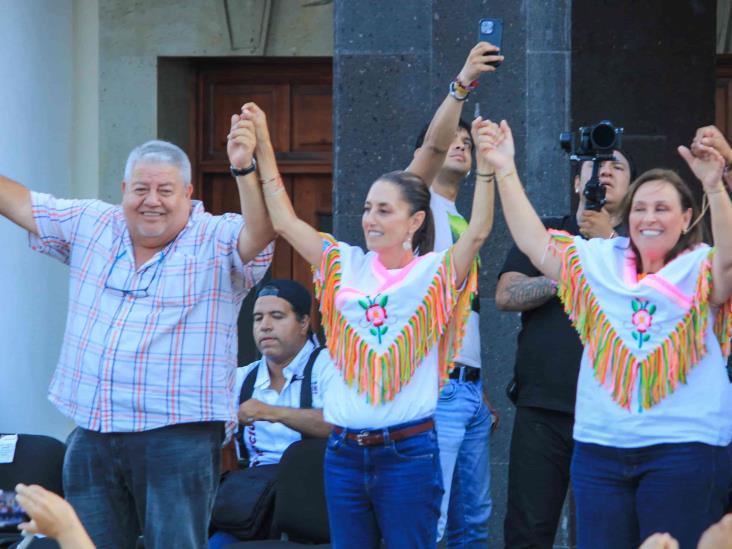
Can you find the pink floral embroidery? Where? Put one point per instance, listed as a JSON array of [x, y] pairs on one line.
[[642, 319], [376, 314]]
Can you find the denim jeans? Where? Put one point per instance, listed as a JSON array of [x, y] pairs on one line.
[[624, 495], [463, 432], [159, 483], [391, 492]]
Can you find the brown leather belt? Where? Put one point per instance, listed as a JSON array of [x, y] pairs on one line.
[[376, 437]]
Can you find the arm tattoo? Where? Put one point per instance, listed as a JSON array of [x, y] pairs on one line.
[[529, 293]]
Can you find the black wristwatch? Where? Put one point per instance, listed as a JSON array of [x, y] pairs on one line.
[[236, 172]]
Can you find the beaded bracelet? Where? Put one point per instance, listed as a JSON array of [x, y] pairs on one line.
[[458, 92], [470, 87]]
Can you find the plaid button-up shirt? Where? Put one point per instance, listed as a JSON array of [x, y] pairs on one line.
[[153, 346]]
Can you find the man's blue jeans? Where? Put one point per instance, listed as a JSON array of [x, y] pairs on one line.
[[391, 492], [159, 483], [463, 432], [624, 495]]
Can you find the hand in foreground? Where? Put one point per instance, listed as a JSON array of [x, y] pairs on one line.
[[494, 143], [241, 142], [660, 541], [52, 516], [255, 410], [718, 536], [594, 224], [707, 164], [477, 62]]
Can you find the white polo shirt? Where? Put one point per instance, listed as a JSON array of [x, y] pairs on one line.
[[266, 441]]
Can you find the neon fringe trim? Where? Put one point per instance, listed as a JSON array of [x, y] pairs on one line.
[[441, 318], [723, 327], [615, 366]]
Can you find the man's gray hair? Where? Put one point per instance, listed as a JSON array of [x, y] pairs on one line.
[[159, 152]]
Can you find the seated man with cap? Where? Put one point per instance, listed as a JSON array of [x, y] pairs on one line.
[[272, 414], [280, 395]]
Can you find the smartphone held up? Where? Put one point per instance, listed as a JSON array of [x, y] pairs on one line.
[[491, 31]]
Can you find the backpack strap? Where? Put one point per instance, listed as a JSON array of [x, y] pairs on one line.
[[247, 390], [306, 389]]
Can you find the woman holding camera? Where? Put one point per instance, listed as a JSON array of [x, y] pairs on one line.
[[653, 416]]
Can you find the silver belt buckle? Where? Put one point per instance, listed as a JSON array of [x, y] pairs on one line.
[[461, 376], [361, 437]]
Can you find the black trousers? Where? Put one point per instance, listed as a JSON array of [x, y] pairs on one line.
[[538, 476]]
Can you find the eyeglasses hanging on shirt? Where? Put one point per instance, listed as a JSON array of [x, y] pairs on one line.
[[120, 281]]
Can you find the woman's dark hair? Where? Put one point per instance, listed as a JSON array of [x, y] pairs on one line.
[[687, 240], [415, 193]]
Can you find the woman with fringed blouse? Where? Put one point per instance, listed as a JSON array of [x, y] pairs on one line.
[[653, 419], [393, 318]]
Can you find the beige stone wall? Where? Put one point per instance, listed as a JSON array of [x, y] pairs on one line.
[[134, 35]]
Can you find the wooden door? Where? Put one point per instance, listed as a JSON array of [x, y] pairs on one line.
[[296, 95]]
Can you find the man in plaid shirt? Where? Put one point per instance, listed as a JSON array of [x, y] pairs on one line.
[[148, 361]]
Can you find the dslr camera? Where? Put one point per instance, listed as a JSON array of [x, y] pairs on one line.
[[593, 143]]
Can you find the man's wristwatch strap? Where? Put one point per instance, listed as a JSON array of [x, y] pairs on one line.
[[236, 172]]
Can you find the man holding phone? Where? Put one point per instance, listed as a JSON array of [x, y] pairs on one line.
[[464, 416]]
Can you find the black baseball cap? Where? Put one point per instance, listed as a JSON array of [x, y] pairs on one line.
[[289, 290]]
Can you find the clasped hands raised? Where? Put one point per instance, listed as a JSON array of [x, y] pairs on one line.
[[248, 132], [493, 143]]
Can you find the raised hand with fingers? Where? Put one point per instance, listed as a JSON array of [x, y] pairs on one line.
[[52, 516], [251, 111], [494, 144], [241, 142], [707, 164], [710, 136], [478, 61]]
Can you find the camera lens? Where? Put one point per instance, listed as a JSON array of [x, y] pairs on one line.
[[486, 27], [603, 135]]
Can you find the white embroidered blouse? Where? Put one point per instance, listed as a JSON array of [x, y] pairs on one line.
[[391, 333], [654, 366]]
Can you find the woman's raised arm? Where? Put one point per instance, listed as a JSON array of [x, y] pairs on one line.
[[495, 144], [481, 216], [707, 164], [305, 239]]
